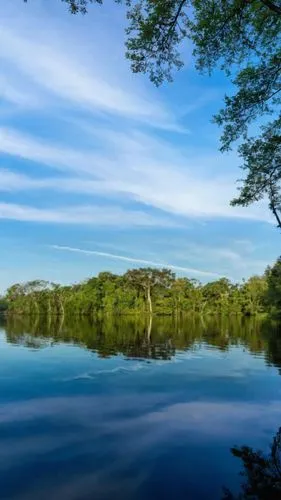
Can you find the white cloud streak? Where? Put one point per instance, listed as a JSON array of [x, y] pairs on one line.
[[60, 71], [15, 182], [89, 215], [11, 92], [234, 262], [142, 169], [56, 157], [133, 260]]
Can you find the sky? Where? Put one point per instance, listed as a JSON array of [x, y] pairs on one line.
[[100, 170]]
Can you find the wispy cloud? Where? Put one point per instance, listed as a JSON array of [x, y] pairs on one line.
[[133, 260], [62, 73], [12, 92], [215, 253], [14, 182], [21, 145], [233, 260], [90, 215], [143, 169]]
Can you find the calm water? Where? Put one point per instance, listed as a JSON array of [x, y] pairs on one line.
[[127, 410]]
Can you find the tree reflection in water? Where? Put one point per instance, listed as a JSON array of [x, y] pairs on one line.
[[160, 338], [262, 472], [144, 337]]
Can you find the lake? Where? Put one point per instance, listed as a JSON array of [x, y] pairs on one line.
[[132, 409]]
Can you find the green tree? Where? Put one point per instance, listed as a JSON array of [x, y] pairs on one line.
[[273, 276], [147, 289], [109, 283], [58, 299], [147, 278], [33, 291], [241, 37], [15, 297], [217, 295], [3, 304], [236, 300], [254, 293], [197, 300], [14, 292], [181, 289]]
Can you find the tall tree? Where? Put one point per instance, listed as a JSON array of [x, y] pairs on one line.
[[255, 290], [241, 37], [147, 278], [217, 295], [181, 290]]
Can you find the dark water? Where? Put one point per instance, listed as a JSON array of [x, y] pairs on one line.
[[127, 410]]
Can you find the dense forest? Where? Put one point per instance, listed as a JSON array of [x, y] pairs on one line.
[[147, 290]]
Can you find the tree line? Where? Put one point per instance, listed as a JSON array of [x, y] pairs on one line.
[[147, 291]]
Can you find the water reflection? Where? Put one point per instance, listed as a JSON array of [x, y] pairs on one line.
[[142, 337], [262, 472], [149, 408]]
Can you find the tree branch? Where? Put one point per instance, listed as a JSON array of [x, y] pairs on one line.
[[174, 21], [272, 6], [274, 210], [273, 206]]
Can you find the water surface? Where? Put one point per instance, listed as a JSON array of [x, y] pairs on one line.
[[124, 409]]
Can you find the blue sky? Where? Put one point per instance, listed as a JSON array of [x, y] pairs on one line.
[[100, 170]]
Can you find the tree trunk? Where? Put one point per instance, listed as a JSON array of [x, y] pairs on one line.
[[60, 323], [48, 306], [60, 304], [149, 326], [35, 305], [149, 300]]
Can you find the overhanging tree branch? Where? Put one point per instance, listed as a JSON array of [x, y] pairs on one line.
[[273, 204], [272, 6]]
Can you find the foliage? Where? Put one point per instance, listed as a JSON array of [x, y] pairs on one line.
[[262, 161], [263, 473], [148, 279], [3, 304], [255, 293], [242, 38], [78, 6], [274, 286], [148, 290]]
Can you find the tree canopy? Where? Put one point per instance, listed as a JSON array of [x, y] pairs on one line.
[[243, 39], [147, 279], [148, 291]]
